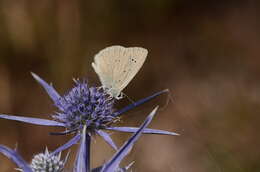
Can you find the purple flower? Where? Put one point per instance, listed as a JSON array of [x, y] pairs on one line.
[[89, 108], [84, 105]]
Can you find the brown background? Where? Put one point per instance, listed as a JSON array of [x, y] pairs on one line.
[[205, 52]]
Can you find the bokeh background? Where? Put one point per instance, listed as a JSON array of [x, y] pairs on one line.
[[205, 52]]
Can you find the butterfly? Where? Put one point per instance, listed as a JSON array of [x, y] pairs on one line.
[[116, 66]]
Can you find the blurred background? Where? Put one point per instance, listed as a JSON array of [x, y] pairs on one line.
[[205, 52]]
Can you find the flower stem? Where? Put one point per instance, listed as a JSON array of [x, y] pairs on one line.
[[88, 143]]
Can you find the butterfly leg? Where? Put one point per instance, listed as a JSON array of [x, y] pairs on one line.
[[120, 96]]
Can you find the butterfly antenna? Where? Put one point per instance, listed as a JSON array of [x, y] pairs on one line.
[[168, 100], [16, 146], [132, 101]]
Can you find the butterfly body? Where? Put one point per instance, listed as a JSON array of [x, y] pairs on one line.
[[116, 66]]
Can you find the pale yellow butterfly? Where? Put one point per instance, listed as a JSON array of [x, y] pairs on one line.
[[116, 66]]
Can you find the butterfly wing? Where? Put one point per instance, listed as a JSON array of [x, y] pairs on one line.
[[116, 66]]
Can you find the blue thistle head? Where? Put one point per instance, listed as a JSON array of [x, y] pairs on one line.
[[84, 105], [46, 162]]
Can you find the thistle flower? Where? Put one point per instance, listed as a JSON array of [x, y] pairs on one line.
[[46, 162], [88, 107], [40, 162], [85, 105]]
